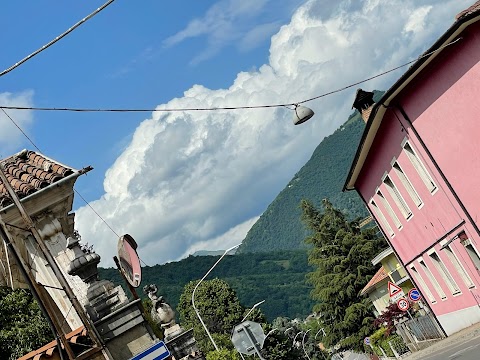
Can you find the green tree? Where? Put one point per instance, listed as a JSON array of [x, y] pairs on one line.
[[218, 306], [223, 354], [23, 328], [341, 254]]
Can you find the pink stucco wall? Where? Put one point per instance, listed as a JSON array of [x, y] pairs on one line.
[[444, 105]]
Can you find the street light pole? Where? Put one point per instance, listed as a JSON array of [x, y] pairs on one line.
[[303, 344], [295, 338], [253, 307], [195, 289]]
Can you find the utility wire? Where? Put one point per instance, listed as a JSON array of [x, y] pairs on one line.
[[242, 107], [76, 191], [59, 37], [19, 128]]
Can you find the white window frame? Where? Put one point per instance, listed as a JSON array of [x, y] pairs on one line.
[[476, 262], [419, 279], [452, 256], [382, 219], [432, 279], [407, 184], [444, 273], [388, 207], [419, 166], [397, 197]]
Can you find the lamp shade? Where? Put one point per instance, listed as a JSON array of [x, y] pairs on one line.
[[302, 114]]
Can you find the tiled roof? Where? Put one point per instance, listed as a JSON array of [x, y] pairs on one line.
[[77, 338], [472, 9], [380, 275], [28, 172]]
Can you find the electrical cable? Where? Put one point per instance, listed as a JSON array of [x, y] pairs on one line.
[[59, 37], [241, 107], [76, 191]]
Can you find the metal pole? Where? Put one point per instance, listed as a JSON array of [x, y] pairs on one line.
[[252, 341], [303, 344], [293, 344], [53, 264], [195, 289], [253, 307]]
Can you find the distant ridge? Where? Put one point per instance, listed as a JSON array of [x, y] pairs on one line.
[[210, 252], [280, 226]]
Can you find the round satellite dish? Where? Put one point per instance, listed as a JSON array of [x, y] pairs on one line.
[[302, 114], [129, 260]]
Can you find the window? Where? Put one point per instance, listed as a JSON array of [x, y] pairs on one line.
[[423, 285], [471, 251], [419, 167], [397, 197], [383, 221], [458, 266], [407, 184], [389, 209], [444, 273], [432, 279]]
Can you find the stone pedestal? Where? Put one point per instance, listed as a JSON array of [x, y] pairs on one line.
[[184, 346], [125, 332]]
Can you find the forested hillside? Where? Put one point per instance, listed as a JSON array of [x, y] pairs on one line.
[[277, 277], [323, 176]]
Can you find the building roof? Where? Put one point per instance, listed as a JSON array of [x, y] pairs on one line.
[[463, 20], [470, 10], [382, 255], [77, 338], [29, 172], [380, 275]]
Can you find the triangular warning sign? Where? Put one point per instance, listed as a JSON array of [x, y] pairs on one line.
[[393, 289]]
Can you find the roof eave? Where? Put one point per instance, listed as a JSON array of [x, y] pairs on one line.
[[379, 108]]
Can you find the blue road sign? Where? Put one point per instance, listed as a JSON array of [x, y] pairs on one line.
[[366, 341], [414, 295], [157, 351]]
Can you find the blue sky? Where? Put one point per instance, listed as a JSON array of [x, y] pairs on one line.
[[181, 182]]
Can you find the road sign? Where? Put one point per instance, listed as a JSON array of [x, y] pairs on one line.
[[393, 289], [157, 351], [403, 304], [414, 295], [366, 341], [129, 260], [248, 337]]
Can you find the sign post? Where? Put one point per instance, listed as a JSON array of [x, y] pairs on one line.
[[248, 338]]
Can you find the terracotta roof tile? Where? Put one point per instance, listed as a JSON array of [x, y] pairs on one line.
[[50, 351], [380, 275], [470, 10], [29, 172]]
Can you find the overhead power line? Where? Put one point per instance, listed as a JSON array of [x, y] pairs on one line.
[[59, 37], [240, 107]]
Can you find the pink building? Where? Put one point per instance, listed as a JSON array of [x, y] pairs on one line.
[[417, 169]]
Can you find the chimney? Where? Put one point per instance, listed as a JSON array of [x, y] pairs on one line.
[[364, 103]]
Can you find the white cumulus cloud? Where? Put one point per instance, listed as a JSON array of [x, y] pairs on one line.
[[195, 180]]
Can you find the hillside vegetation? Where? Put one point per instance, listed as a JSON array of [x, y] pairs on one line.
[[323, 176], [277, 277]]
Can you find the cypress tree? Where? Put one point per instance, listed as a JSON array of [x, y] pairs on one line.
[[341, 255]]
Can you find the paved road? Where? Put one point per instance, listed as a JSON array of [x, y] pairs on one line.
[[463, 350]]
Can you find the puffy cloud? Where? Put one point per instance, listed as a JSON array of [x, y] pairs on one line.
[[195, 180], [10, 136]]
